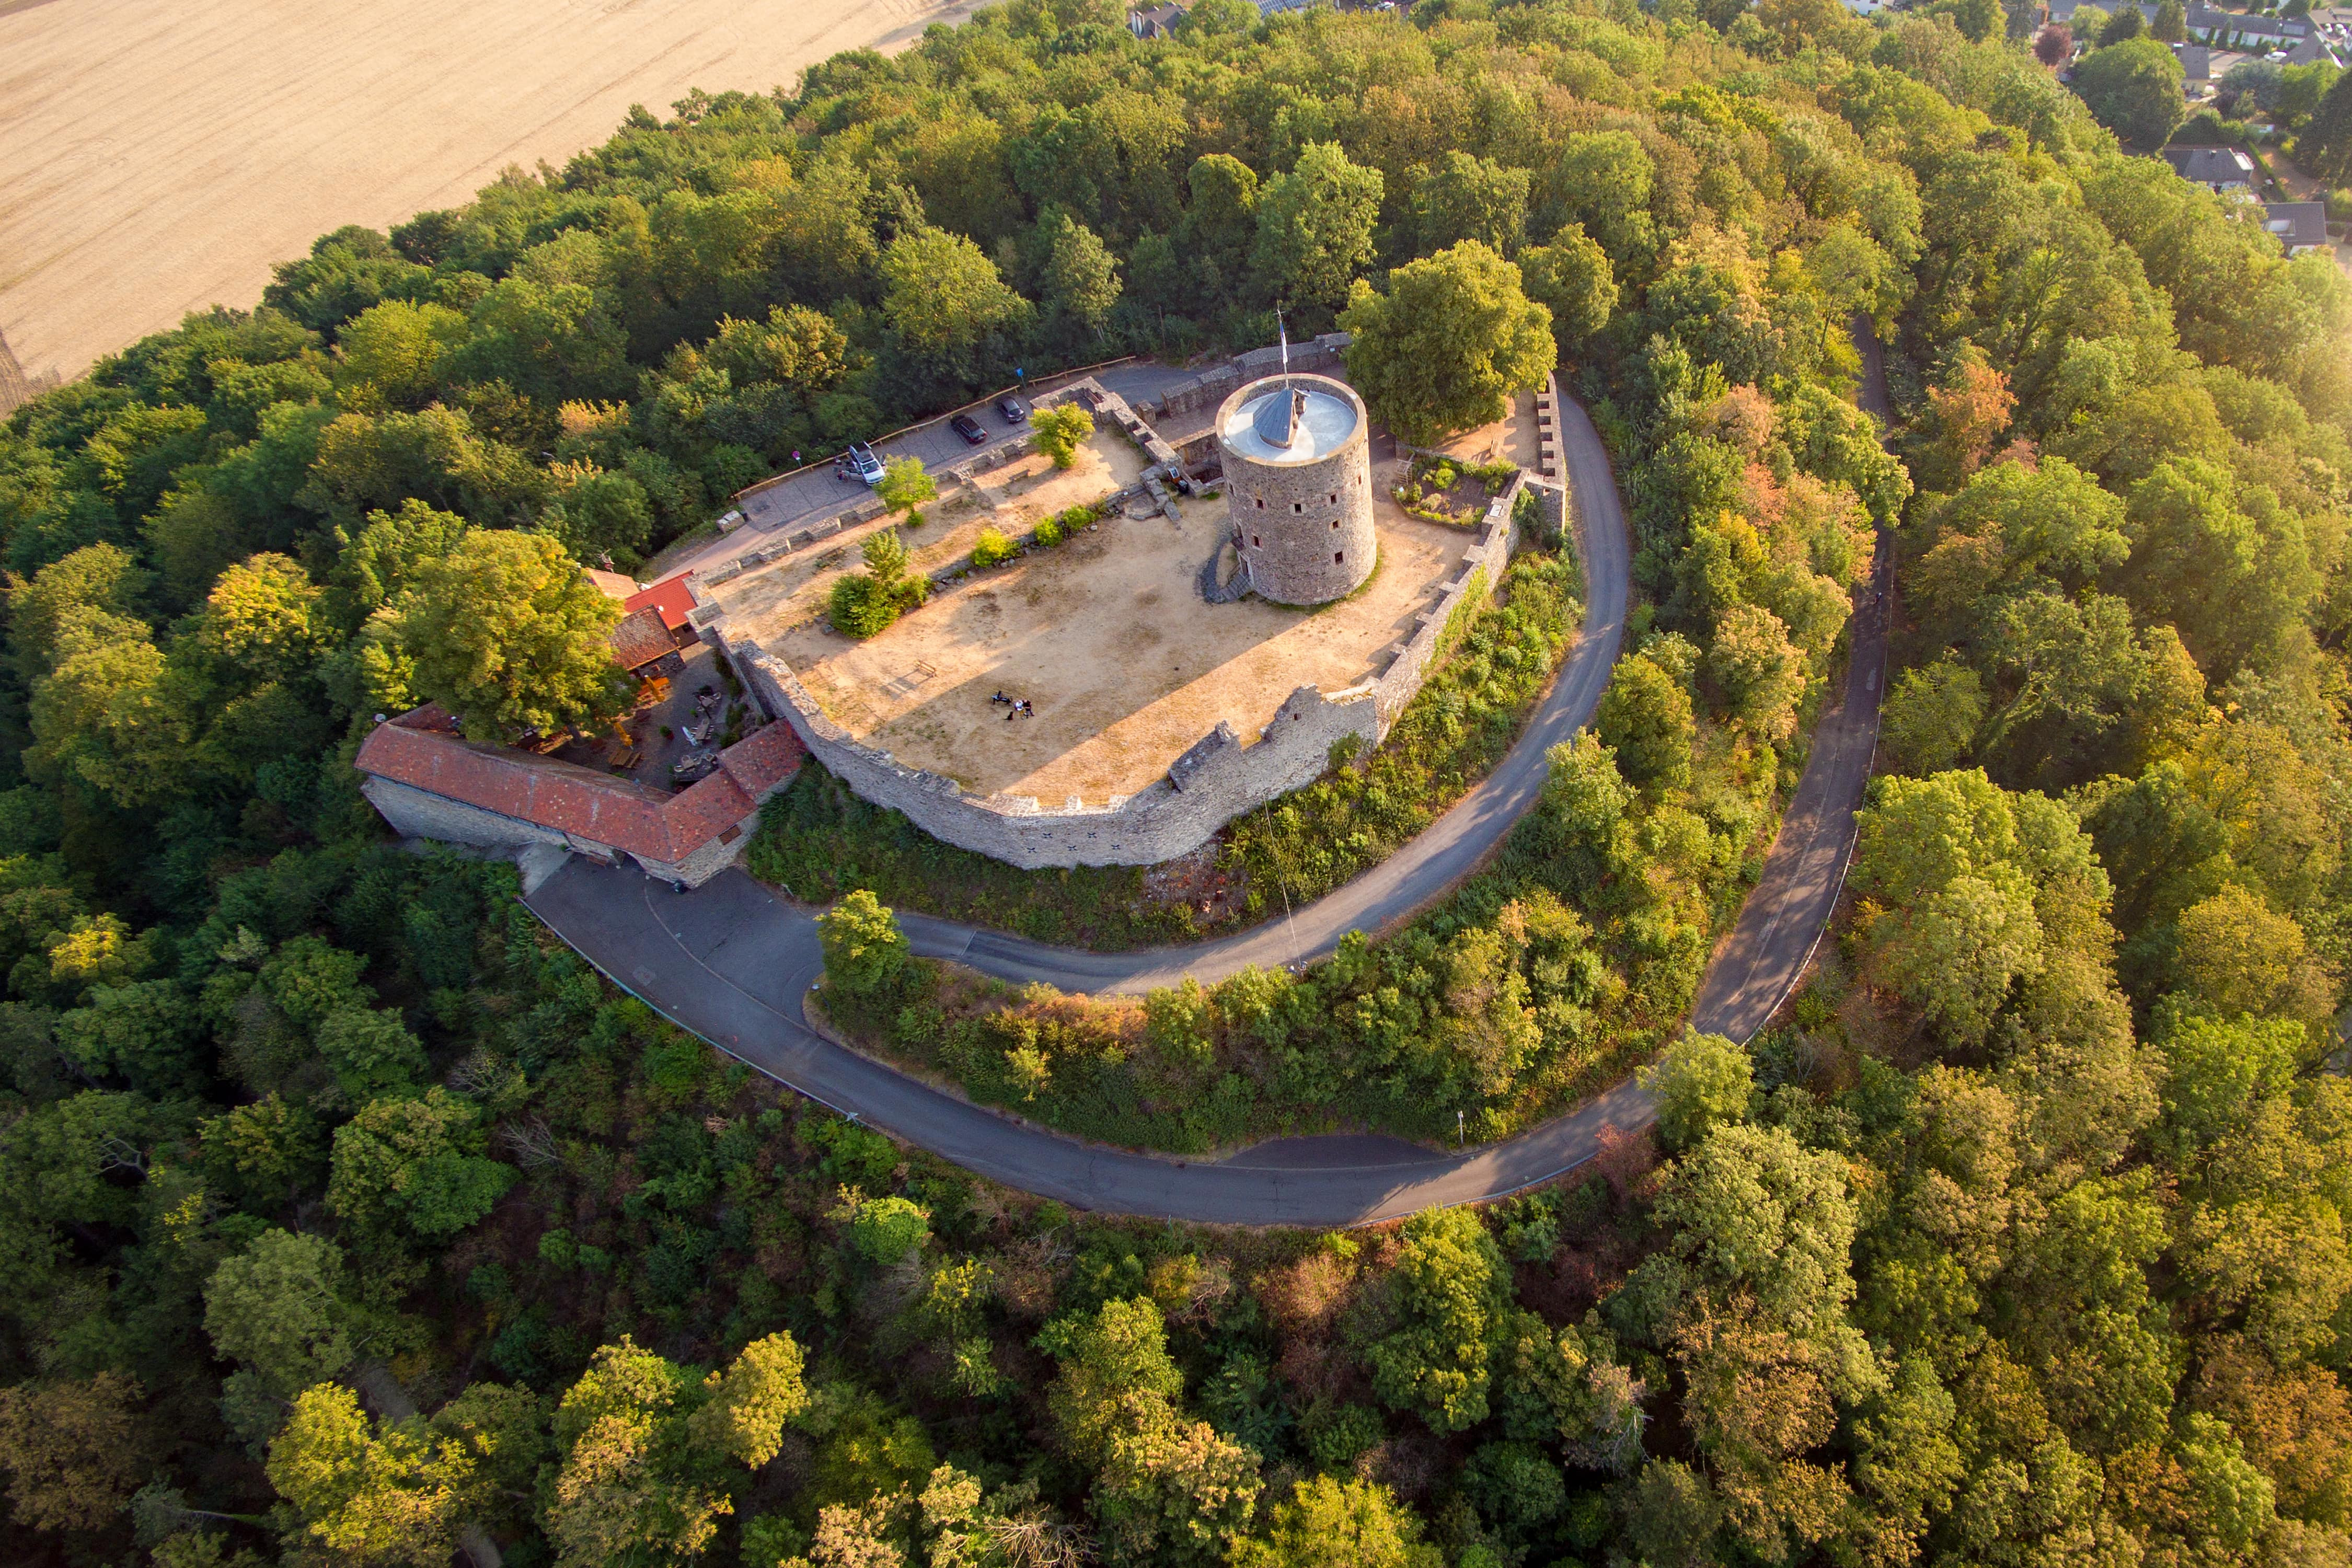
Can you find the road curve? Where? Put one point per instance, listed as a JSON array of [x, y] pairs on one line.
[[731, 963], [1435, 859]]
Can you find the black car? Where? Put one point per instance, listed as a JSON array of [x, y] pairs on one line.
[[1015, 412], [965, 426]]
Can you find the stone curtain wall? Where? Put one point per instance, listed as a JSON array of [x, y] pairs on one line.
[[1215, 780], [1224, 778], [1483, 566], [1221, 777], [1203, 393]]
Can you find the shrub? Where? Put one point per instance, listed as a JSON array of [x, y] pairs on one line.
[[1059, 429], [1049, 531], [884, 1230], [993, 549], [861, 605]]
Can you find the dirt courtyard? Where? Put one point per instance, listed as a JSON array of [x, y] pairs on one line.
[[1107, 636], [161, 156]]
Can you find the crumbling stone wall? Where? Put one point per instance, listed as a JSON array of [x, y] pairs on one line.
[[1203, 393], [1219, 776], [1215, 780]]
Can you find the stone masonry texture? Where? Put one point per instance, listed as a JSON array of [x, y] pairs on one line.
[[1217, 778], [1304, 530]]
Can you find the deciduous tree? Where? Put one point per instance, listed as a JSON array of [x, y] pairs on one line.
[[1448, 344], [508, 634], [1314, 228]]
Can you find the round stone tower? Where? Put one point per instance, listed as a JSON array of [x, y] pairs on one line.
[[1298, 487]]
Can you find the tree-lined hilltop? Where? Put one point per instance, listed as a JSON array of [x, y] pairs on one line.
[[349, 1218]]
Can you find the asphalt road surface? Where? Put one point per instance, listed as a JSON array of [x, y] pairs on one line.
[[814, 493], [732, 962]]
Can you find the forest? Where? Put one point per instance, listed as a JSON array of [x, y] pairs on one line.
[[349, 1218]]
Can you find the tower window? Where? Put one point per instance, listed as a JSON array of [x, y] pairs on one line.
[[1298, 506], [1260, 503], [1334, 501], [1254, 542], [1338, 556], [1335, 522]]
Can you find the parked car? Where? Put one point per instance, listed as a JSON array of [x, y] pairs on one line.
[[859, 463], [965, 426], [1015, 412]]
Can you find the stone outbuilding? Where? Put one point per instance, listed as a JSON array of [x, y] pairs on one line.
[[1298, 487], [429, 782]]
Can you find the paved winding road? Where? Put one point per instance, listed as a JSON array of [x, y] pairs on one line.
[[732, 962]]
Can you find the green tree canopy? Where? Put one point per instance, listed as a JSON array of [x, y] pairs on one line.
[[1329, 1523], [2133, 86], [1571, 276], [1314, 228], [279, 1307], [1645, 718], [1699, 1081], [1451, 1289], [1448, 344], [1060, 429], [508, 634]]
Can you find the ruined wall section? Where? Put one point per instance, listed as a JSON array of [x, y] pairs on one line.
[[1217, 779], [1221, 777], [1201, 395]]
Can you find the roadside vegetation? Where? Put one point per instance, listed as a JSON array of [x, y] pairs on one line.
[[2020, 1238]]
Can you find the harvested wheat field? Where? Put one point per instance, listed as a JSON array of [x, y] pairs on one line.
[[1105, 635], [161, 156]]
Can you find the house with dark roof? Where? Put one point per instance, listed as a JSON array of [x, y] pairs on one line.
[[1155, 21], [429, 782], [2299, 225], [2218, 169], [2265, 32], [643, 646]]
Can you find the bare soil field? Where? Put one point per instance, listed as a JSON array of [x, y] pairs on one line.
[[1105, 635], [161, 156]]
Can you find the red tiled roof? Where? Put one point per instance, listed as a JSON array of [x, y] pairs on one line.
[[423, 749], [611, 583], [640, 638], [671, 596], [763, 760]]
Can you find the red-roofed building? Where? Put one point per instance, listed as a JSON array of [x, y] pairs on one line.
[[429, 782], [671, 597], [612, 585]]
